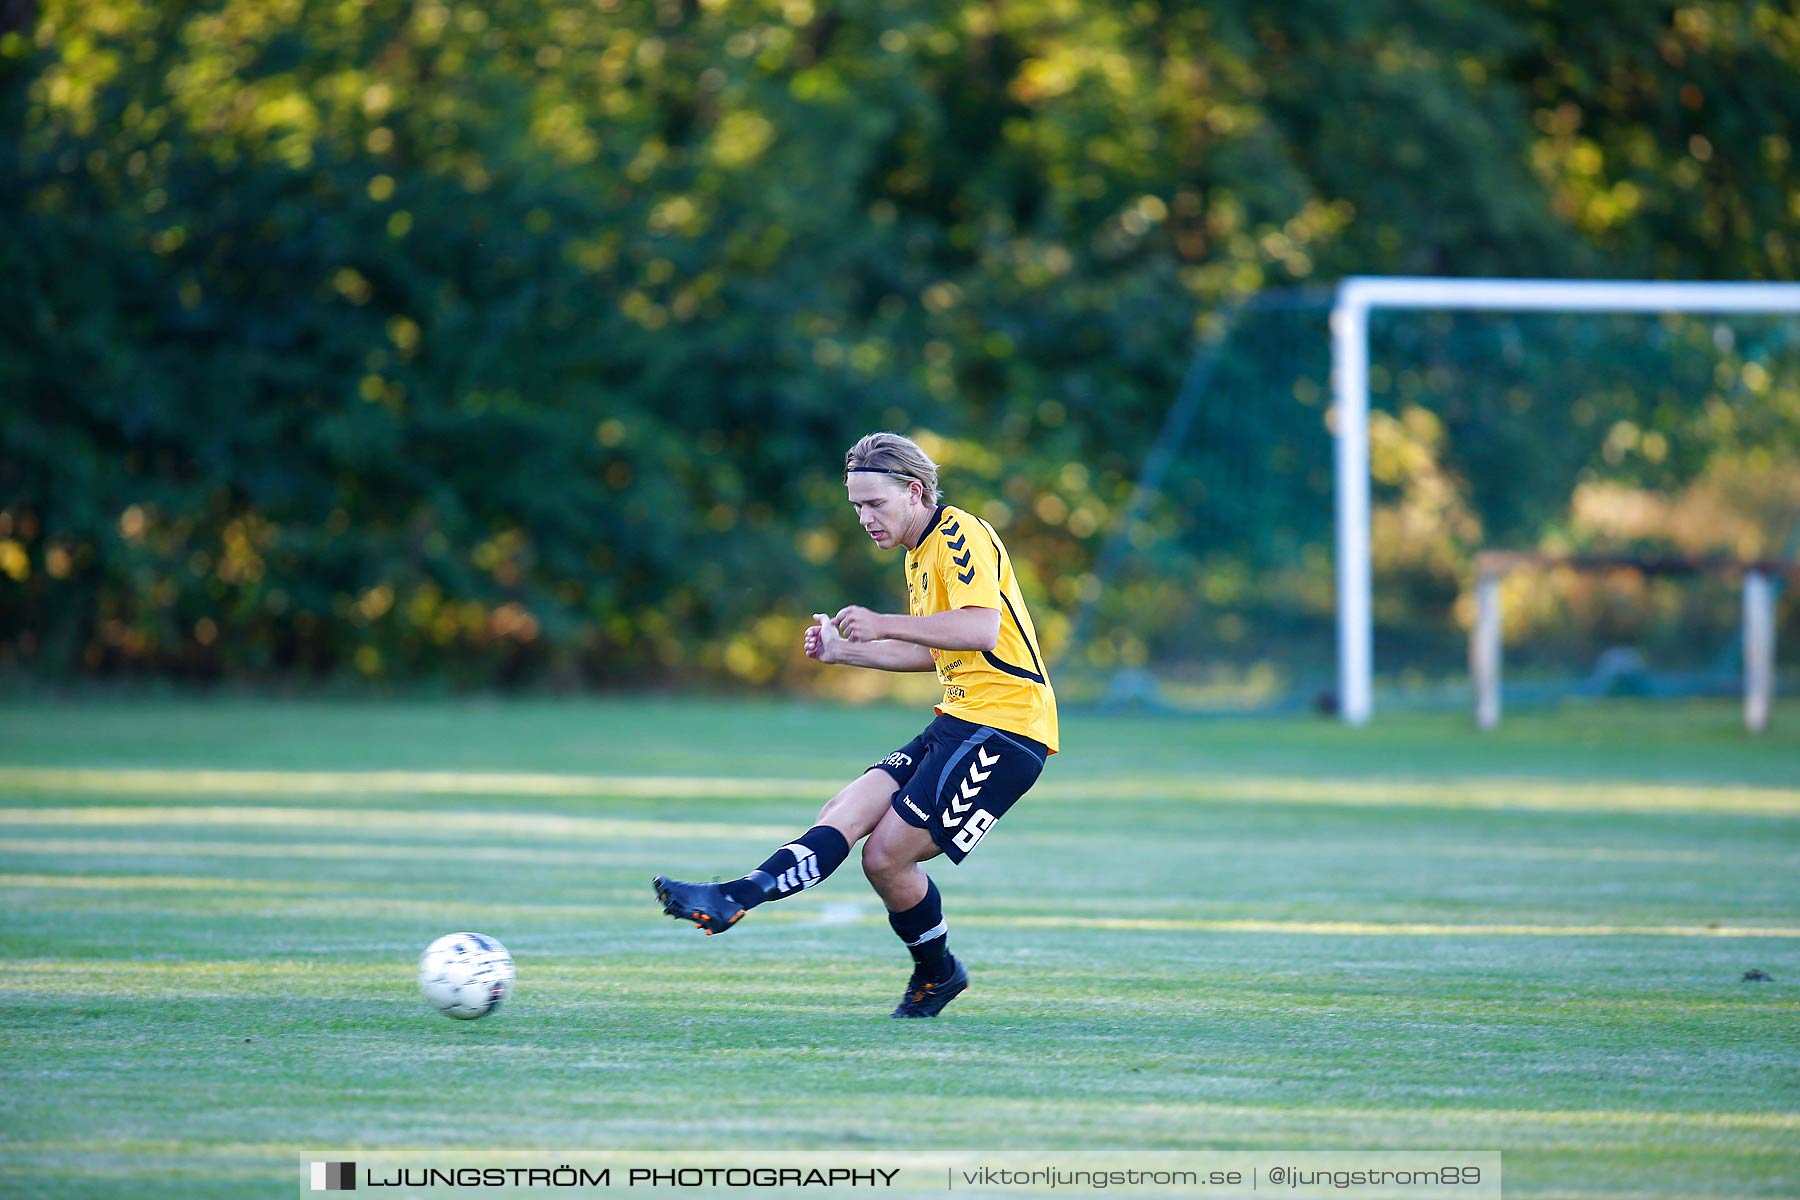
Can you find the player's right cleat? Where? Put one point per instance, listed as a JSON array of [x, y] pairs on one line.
[[705, 904], [926, 998]]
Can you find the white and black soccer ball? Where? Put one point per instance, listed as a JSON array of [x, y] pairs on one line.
[[465, 975]]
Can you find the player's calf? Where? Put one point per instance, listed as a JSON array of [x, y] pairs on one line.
[[715, 907], [937, 977]]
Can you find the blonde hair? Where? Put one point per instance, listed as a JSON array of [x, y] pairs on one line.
[[896, 455]]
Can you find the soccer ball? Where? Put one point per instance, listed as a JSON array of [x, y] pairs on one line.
[[465, 975]]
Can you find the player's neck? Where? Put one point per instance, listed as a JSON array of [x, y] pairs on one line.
[[915, 529]]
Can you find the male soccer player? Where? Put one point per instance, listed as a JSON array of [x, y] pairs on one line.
[[941, 792]]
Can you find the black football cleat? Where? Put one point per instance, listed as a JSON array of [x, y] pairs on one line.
[[925, 998], [705, 904]]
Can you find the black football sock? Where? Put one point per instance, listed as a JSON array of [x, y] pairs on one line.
[[798, 865], [923, 930]]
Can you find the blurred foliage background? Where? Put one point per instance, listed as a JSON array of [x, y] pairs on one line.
[[519, 341]]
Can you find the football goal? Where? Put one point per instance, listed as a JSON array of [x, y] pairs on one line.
[[1359, 297]]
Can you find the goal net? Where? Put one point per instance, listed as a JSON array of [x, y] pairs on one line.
[[1483, 426]]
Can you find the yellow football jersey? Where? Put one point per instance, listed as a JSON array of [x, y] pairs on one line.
[[960, 563]]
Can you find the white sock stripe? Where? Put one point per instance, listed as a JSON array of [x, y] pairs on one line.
[[798, 877], [805, 871], [942, 927]]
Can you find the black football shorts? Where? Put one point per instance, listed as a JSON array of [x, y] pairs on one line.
[[957, 778]]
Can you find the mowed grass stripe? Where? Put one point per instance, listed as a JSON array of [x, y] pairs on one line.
[[1484, 792], [574, 998], [1382, 928], [123, 781], [303, 905], [408, 850], [405, 851], [420, 821], [1430, 1121]]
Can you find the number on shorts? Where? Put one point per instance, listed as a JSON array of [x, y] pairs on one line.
[[978, 823]]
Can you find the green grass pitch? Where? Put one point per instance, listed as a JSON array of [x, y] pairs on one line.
[[1229, 935]]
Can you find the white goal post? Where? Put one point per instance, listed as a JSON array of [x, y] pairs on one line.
[[1356, 297]]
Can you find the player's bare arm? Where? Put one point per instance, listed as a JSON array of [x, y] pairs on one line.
[[826, 643], [959, 629]]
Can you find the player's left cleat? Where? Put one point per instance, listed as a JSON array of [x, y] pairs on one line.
[[926, 998], [705, 904]]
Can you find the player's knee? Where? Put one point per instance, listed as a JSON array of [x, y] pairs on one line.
[[879, 859]]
